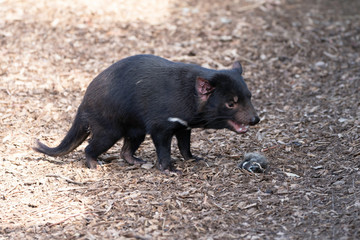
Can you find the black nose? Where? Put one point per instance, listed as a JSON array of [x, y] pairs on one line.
[[254, 120]]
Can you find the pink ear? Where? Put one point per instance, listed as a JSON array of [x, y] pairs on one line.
[[237, 66], [203, 88]]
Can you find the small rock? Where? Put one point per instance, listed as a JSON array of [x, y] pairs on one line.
[[225, 38], [342, 120], [269, 191], [318, 167], [291, 174], [225, 20], [341, 182], [320, 64], [147, 165]]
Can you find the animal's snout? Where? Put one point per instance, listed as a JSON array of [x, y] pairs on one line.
[[254, 120]]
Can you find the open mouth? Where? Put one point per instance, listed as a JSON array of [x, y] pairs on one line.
[[238, 127]]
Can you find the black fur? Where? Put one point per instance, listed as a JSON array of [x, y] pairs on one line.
[[145, 94]]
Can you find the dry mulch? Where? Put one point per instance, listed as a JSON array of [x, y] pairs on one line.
[[302, 63]]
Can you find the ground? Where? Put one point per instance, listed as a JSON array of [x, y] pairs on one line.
[[302, 63]]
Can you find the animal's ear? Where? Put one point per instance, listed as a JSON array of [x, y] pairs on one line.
[[237, 66], [204, 88]]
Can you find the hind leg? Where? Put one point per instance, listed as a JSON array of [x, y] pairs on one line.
[[101, 141], [131, 144]]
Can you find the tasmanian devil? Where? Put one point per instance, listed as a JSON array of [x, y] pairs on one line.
[[146, 94]]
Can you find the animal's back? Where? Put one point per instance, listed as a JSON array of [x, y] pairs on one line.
[[142, 88]]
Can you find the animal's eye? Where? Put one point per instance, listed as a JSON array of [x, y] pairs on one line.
[[230, 104]]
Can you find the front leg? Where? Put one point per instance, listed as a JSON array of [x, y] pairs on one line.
[[183, 139], [162, 142]]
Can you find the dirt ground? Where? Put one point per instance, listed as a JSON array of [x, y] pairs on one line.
[[302, 63]]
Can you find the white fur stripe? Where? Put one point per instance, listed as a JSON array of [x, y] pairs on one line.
[[182, 122]]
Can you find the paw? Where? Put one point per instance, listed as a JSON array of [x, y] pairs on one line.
[[171, 172], [169, 169], [137, 161], [192, 158], [133, 160], [197, 159], [92, 164]]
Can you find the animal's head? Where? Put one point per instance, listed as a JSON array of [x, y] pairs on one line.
[[225, 100]]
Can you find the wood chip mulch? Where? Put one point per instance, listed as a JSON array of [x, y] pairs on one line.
[[301, 62]]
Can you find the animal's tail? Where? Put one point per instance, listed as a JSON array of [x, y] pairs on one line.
[[76, 135]]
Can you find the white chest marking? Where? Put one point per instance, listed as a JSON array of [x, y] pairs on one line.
[[178, 120]]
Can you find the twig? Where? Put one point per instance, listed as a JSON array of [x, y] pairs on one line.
[[8, 92], [109, 207], [217, 205], [250, 7], [64, 220], [66, 179], [134, 235], [245, 59], [269, 148], [8, 192]]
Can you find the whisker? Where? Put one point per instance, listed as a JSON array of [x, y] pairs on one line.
[[209, 120]]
